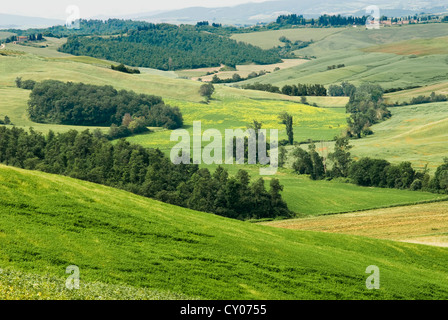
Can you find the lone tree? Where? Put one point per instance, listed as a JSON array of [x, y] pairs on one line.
[[287, 120], [206, 90]]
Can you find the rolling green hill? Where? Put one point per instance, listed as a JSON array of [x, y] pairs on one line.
[[230, 108], [347, 46], [49, 222]]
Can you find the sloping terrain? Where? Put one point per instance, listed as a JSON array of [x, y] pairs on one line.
[[49, 222]]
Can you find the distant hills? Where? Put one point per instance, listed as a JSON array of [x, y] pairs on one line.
[[8, 21], [253, 13]]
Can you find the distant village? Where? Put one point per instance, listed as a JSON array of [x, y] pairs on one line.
[[413, 20]]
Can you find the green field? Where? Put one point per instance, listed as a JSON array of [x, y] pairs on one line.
[[227, 113], [418, 47], [308, 197], [49, 222]]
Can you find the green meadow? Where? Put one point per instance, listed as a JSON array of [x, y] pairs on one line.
[[151, 249]]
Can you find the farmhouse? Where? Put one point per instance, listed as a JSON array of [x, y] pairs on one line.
[[22, 38]]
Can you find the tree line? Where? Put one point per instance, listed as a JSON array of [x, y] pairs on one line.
[[71, 103], [169, 47], [366, 171], [433, 97], [87, 27], [148, 172], [290, 90]]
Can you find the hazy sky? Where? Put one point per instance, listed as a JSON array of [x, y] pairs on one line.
[[89, 8]]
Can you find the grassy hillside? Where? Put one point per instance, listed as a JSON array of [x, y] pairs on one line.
[[49, 222], [270, 39], [425, 223], [346, 46], [407, 95], [414, 133], [418, 47]]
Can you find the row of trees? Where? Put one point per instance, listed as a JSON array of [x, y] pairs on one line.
[[170, 47], [70, 103], [30, 37], [237, 78], [323, 21], [122, 68], [290, 90], [366, 171], [433, 97], [147, 172], [87, 27]]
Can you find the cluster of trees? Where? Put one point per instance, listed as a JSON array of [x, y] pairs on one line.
[[129, 127], [335, 66], [6, 121], [308, 162], [367, 172], [366, 107], [323, 21], [147, 172], [25, 84], [286, 50], [70, 103], [169, 47], [344, 90], [380, 173], [122, 68], [290, 90]]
